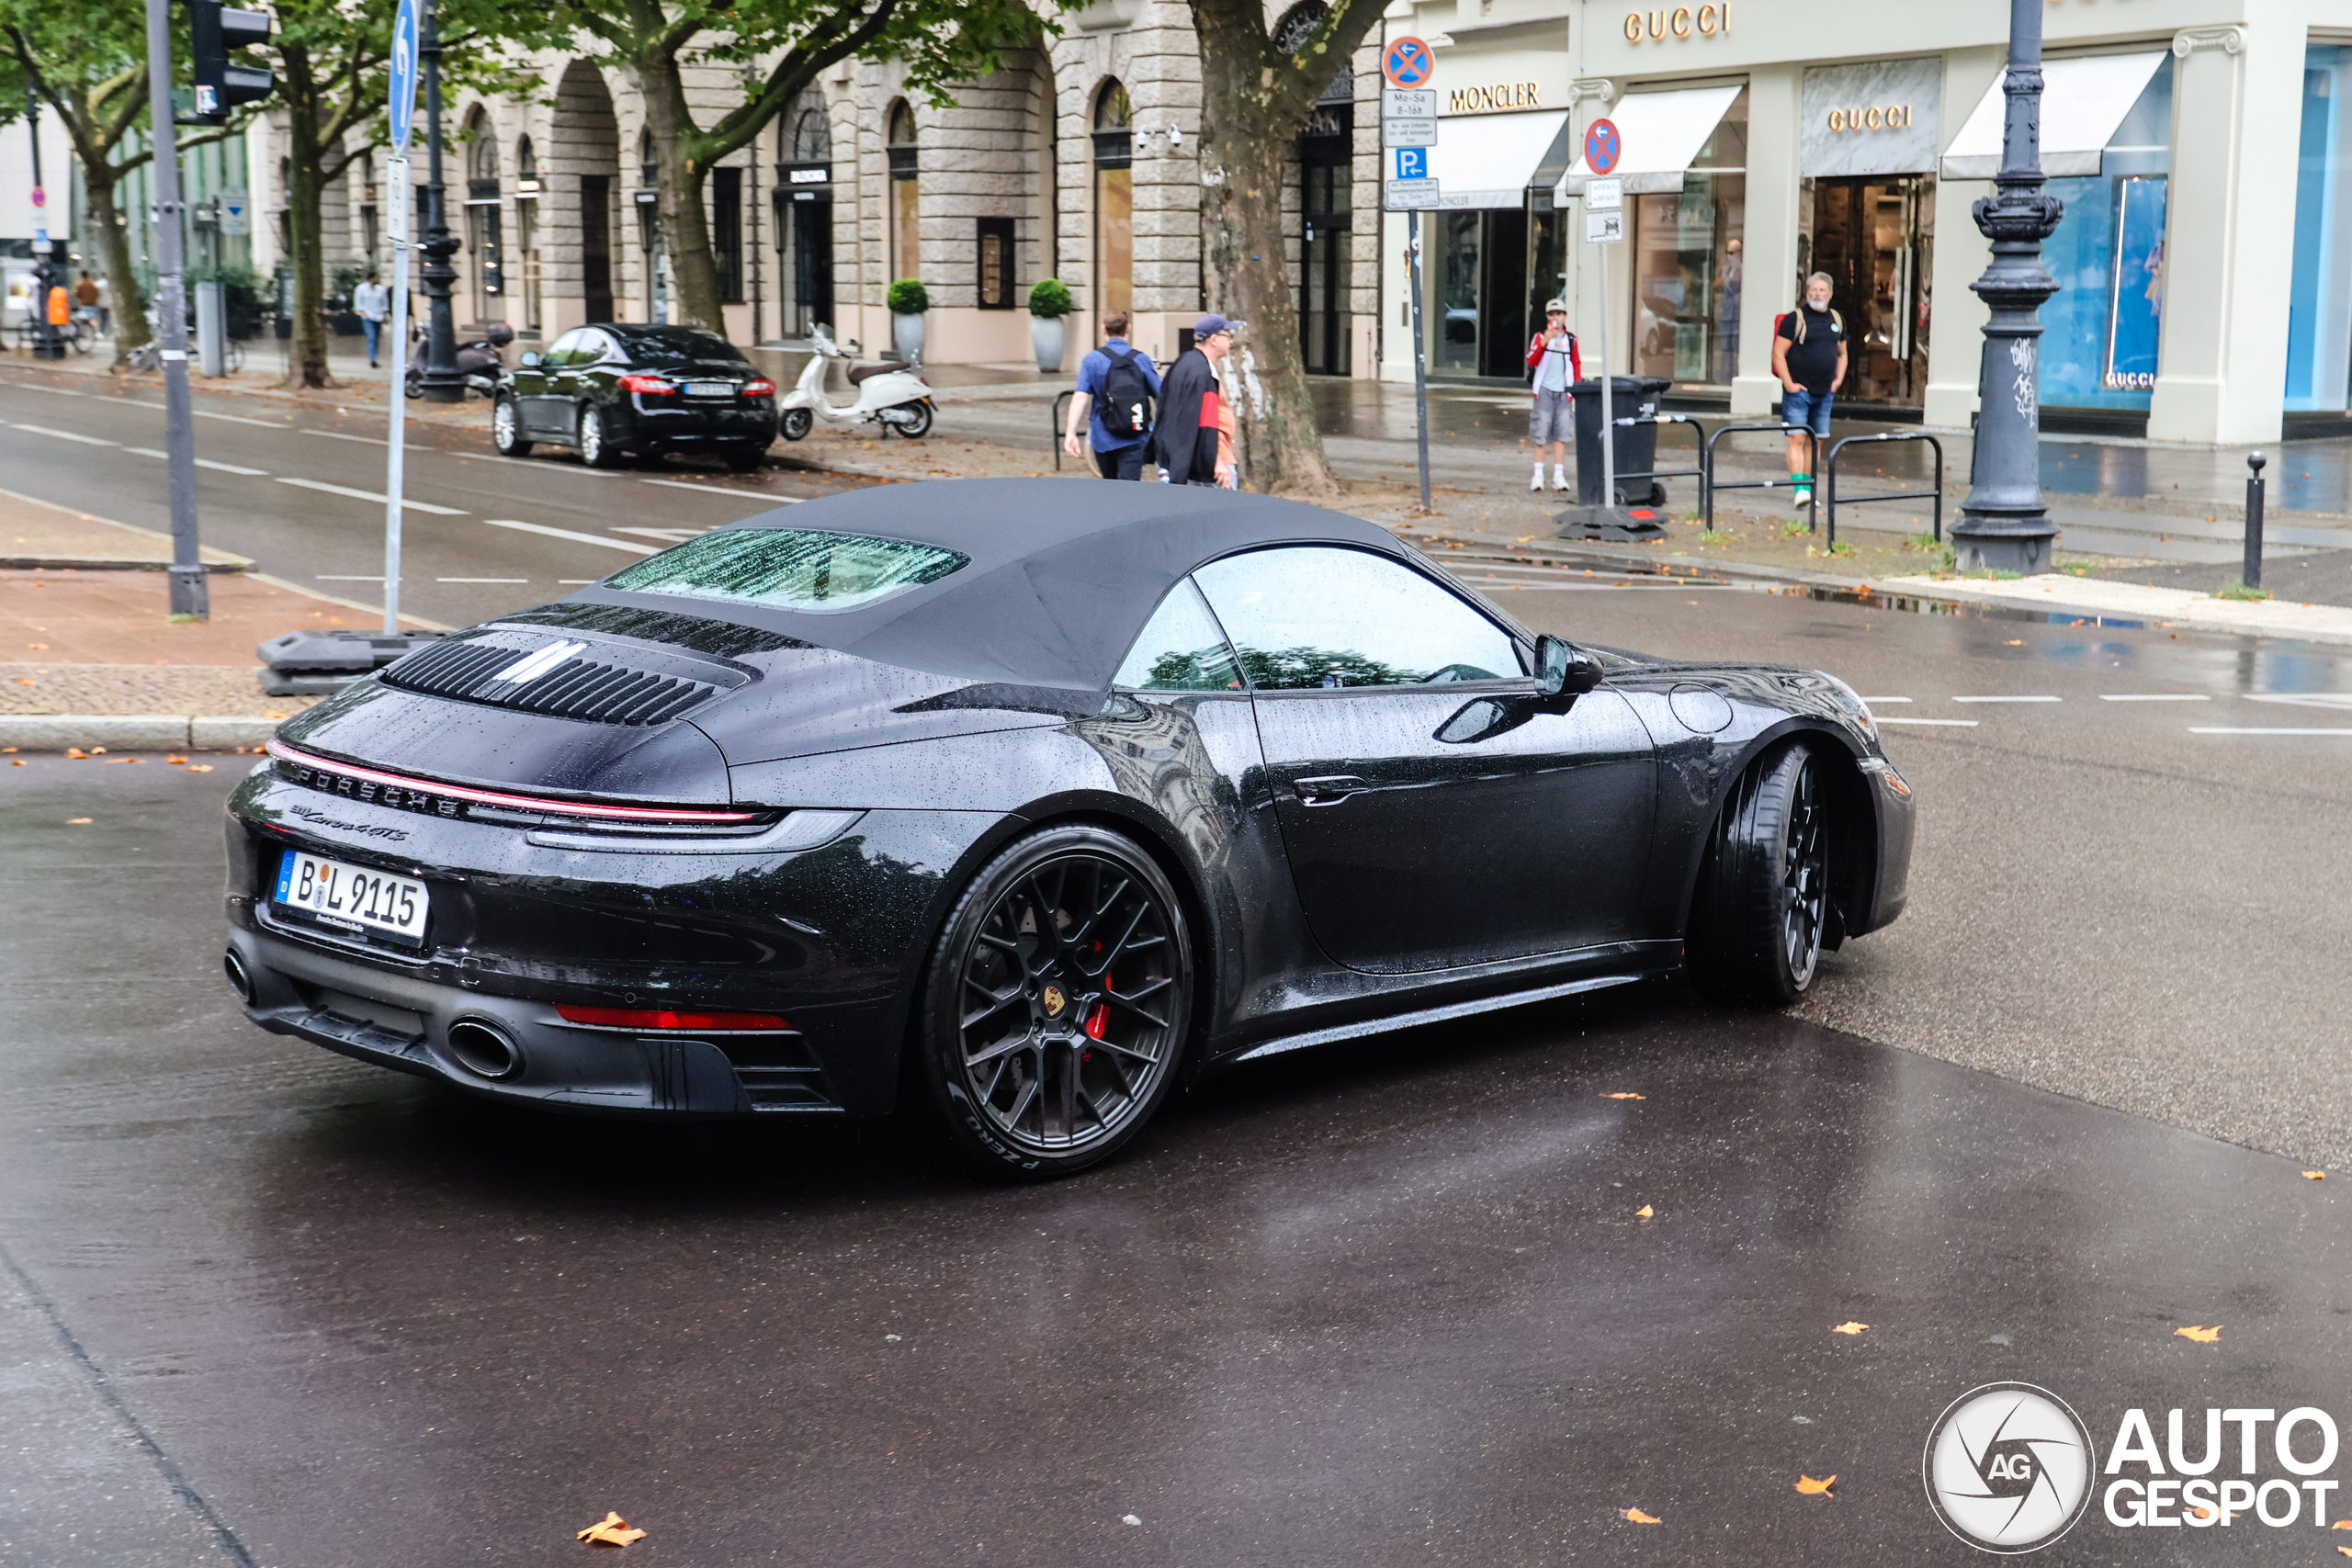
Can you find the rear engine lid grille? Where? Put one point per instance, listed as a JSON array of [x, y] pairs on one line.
[[579, 678]]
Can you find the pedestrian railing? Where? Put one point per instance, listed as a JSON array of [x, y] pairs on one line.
[[1699, 473], [1937, 493], [1710, 484]]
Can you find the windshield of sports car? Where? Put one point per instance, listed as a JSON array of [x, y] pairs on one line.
[[789, 568], [677, 345]]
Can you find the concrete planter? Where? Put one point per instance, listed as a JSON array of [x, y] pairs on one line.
[[906, 336], [1047, 335]]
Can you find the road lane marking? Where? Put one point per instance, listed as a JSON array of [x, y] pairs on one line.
[[2256, 729], [721, 490], [371, 440], [568, 534], [65, 434], [235, 419], [143, 403], [577, 582], [376, 497], [1950, 723], [2006, 699], [2152, 697], [202, 463], [2303, 699], [328, 576], [481, 580]]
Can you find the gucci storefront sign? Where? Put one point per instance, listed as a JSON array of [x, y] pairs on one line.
[[1877, 118], [1678, 22]]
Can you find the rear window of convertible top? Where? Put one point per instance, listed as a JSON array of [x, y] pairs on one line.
[[789, 568]]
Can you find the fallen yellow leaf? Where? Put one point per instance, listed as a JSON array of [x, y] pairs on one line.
[[2315, 1176], [2202, 1335], [1849, 1327], [77, 821], [200, 767], [2343, 1525], [1639, 1518], [614, 1531], [1624, 1096], [175, 759], [2346, 1550], [1812, 1488], [16, 761], [75, 752], [1644, 1212]]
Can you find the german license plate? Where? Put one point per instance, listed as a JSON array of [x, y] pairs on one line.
[[351, 898], [710, 389]]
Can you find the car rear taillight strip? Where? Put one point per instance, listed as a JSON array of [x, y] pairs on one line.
[[285, 753]]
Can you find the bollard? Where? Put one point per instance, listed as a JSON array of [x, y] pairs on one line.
[[2254, 520]]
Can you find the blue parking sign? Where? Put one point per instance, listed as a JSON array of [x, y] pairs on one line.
[[1412, 163]]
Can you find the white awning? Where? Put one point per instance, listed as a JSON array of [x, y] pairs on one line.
[[1488, 160], [1660, 133], [2082, 102]]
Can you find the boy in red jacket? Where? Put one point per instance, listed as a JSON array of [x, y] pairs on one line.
[[1553, 357]]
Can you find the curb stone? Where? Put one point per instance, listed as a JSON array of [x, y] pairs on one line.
[[197, 732]]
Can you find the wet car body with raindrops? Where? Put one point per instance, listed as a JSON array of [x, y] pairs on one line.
[[1022, 803]]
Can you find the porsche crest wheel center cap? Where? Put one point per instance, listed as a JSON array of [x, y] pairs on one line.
[[1055, 1001]]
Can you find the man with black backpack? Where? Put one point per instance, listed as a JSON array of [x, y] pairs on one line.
[[1117, 387]]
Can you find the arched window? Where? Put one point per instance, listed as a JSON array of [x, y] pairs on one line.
[[906, 193], [526, 167], [1291, 33], [485, 237], [1114, 202], [812, 136]]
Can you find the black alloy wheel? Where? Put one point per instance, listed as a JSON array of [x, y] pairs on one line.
[[1762, 907], [596, 448], [1057, 1002], [797, 423], [506, 430]]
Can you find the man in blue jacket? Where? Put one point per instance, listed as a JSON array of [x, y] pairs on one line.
[[1115, 389]]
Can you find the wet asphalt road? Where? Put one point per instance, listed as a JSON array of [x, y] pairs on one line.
[[1386, 1303]]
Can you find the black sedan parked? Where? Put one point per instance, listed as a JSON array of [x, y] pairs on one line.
[[1035, 800], [613, 391]]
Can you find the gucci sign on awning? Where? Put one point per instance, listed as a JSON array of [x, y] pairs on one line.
[[1877, 118]]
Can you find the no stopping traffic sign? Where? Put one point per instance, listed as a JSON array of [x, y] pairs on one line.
[[1408, 63], [1602, 147]]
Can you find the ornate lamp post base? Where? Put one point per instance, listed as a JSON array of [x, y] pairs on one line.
[[2004, 525]]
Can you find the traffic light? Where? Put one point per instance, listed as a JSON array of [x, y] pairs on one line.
[[221, 81]]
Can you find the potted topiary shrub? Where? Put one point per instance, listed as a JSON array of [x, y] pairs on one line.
[[1049, 302], [908, 301]]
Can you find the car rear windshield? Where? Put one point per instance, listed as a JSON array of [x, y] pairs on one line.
[[678, 345], [789, 568]]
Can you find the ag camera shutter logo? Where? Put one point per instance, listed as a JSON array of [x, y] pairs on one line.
[[2008, 1468]]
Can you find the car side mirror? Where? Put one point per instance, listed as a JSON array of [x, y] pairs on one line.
[[1564, 670], [530, 359]]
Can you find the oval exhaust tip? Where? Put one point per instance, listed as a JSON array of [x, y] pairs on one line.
[[241, 979], [484, 1049]]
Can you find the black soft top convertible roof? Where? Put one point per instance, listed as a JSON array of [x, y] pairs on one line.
[[1063, 574]]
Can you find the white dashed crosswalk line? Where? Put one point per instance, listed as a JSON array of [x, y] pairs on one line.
[[2153, 697], [2008, 699]]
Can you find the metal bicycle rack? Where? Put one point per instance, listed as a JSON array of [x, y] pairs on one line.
[[1710, 484], [1699, 473], [1937, 493]]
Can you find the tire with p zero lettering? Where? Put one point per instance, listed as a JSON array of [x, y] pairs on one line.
[[1056, 1002], [1762, 907]]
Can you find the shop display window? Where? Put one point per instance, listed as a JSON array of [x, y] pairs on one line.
[[2102, 329], [1688, 267], [2318, 312]]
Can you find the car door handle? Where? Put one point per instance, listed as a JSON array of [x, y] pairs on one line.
[[1329, 791]]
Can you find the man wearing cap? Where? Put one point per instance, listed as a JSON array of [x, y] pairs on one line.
[[1553, 357], [1194, 441]]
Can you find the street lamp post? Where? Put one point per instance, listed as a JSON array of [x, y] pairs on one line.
[[444, 383], [2004, 525]]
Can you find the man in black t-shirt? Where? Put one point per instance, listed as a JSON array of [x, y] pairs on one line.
[[1809, 356]]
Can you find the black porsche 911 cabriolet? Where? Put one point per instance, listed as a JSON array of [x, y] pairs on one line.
[[1024, 801]]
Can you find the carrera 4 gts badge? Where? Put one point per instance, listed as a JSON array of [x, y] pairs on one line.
[[319, 818]]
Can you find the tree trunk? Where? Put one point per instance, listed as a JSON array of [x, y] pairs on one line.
[[1253, 104], [126, 300], [686, 222], [305, 227]]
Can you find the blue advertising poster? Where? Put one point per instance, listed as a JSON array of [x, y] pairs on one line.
[[2135, 311]]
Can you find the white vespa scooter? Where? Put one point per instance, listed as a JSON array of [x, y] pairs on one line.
[[891, 394]]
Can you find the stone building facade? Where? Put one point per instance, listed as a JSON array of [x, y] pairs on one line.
[[1076, 160]]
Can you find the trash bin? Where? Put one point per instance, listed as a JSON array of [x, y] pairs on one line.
[[1629, 396]]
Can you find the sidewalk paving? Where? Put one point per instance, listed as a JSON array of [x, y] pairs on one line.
[[35, 533]]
